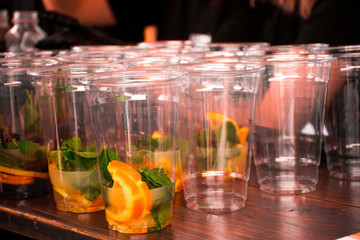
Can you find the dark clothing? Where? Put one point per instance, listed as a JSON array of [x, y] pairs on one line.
[[331, 21]]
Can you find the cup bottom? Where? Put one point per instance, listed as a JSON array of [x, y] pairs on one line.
[[215, 193], [352, 176], [286, 181], [137, 228], [76, 203], [24, 191], [343, 167], [78, 209]]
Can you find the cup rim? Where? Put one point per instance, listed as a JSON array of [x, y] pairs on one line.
[[115, 79], [210, 69], [18, 63], [53, 71], [353, 50], [288, 58]]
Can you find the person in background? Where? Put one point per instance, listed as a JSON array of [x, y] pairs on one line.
[[275, 21]]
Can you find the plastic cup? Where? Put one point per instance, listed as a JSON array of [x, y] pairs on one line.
[[342, 124], [289, 122], [23, 164], [96, 57], [307, 48], [215, 136], [69, 135], [135, 116]]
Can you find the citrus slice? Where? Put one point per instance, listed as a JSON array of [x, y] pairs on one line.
[[15, 179], [242, 134], [130, 198], [156, 134], [73, 196], [165, 164], [24, 172], [218, 119], [238, 164]]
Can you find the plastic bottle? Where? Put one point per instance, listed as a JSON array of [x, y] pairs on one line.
[[25, 32], [4, 27]]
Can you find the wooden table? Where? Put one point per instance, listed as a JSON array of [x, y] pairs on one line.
[[331, 212]]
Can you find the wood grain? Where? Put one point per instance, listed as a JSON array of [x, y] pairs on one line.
[[332, 211]]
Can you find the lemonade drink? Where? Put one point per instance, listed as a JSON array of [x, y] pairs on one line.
[[137, 201], [74, 177]]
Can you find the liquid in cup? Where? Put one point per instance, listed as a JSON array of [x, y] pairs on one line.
[[341, 140], [289, 122], [215, 147], [135, 116], [69, 136], [23, 163]]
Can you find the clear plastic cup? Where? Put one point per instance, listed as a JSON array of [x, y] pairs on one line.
[[69, 135], [23, 163], [135, 117], [307, 48], [96, 57], [215, 134], [236, 46], [342, 124], [289, 117]]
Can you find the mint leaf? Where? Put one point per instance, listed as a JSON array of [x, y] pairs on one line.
[[91, 194], [87, 155], [87, 159], [28, 147], [141, 155], [155, 177], [148, 143], [166, 143], [12, 145], [161, 213], [105, 157], [74, 143], [8, 161], [90, 148], [230, 133], [31, 113]]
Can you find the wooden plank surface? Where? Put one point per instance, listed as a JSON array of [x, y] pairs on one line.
[[331, 212]]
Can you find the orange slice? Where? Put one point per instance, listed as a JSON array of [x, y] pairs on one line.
[[131, 200], [242, 134], [15, 179], [218, 119], [20, 172], [156, 134], [238, 163], [167, 165]]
